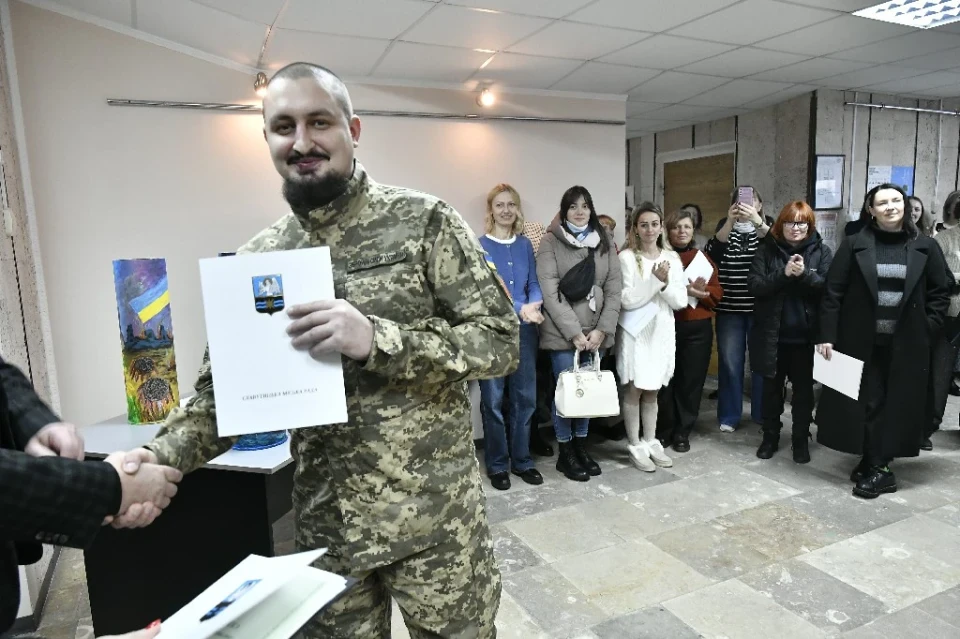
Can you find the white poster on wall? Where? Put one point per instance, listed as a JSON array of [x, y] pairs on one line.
[[827, 227], [829, 182], [877, 175]]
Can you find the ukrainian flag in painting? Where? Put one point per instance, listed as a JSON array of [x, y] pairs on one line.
[[149, 304]]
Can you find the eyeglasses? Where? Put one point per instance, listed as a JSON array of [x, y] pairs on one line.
[[800, 226]]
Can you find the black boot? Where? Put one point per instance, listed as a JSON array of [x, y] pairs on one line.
[[861, 469], [538, 445], [801, 448], [579, 448], [769, 445], [568, 464], [874, 483]]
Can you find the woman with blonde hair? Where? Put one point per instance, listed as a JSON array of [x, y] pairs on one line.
[[653, 280], [512, 256]]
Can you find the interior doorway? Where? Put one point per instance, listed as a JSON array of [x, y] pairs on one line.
[[706, 181]]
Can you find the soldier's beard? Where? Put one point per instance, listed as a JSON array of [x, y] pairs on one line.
[[308, 195]]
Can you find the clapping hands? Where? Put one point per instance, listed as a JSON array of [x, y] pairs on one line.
[[794, 267], [662, 271]]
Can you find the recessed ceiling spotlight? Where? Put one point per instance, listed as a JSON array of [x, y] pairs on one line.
[[921, 14]]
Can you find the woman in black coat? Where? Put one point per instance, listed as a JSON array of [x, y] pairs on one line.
[[886, 297], [786, 278]]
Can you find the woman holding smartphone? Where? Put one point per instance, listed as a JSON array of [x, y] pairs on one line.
[[732, 249]]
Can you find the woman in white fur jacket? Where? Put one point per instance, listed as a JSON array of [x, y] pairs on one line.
[[652, 274]]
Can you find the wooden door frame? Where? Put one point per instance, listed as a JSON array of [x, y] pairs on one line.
[[723, 148]]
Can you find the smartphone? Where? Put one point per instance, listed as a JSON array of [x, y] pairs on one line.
[[745, 195]]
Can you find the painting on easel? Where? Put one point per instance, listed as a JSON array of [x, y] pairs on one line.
[[146, 337]]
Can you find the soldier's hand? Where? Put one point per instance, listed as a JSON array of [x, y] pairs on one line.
[[331, 326]]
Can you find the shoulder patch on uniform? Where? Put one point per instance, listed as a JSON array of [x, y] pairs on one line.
[[383, 259]]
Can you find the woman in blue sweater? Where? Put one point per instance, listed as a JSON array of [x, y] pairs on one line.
[[512, 256]]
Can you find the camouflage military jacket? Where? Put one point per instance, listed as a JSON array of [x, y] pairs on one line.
[[401, 474]]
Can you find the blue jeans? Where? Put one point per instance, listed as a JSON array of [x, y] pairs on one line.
[[521, 388], [566, 428], [732, 332]]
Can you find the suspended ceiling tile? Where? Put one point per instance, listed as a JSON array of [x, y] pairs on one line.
[[517, 70], [581, 41], [737, 93], [541, 8], [825, 38], [597, 77], [472, 28], [864, 77], [673, 86], [344, 56], [917, 83], [203, 28], [647, 15], [381, 18], [743, 61], [752, 21], [666, 52], [902, 47], [810, 70], [412, 61], [262, 11]]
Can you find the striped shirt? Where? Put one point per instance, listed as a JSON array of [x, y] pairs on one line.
[[733, 260], [891, 279]]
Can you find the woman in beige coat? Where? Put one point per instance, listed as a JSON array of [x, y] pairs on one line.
[[577, 320]]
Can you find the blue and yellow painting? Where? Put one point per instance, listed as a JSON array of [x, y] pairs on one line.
[[146, 338], [268, 293]]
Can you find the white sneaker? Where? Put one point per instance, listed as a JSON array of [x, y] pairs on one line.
[[657, 456], [728, 428], [640, 456]]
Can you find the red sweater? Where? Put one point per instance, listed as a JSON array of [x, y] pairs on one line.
[[704, 309]]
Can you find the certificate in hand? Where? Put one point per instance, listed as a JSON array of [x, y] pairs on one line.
[[261, 383], [260, 598], [699, 267]]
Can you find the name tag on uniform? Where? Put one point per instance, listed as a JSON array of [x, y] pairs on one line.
[[384, 259]]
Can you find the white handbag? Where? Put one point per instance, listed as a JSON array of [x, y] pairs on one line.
[[586, 392]]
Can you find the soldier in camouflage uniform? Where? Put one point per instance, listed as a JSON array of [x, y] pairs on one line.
[[394, 493]]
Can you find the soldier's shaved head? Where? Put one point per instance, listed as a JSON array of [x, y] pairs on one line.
[[310, 127], [327, 79]]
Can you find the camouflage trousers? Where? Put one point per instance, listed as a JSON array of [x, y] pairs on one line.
[[449, 591]]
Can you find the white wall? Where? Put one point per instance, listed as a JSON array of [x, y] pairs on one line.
[[114, 182]]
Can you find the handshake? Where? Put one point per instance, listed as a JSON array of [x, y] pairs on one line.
[[147, 487]]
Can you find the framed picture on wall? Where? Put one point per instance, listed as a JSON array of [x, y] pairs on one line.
[[828, 183]]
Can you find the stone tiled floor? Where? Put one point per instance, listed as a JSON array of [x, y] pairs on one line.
[[722, 545]]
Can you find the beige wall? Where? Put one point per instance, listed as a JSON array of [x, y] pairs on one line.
[[114, 182], [772, 147]]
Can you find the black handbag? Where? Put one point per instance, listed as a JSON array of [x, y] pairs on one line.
[[576, 284]]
